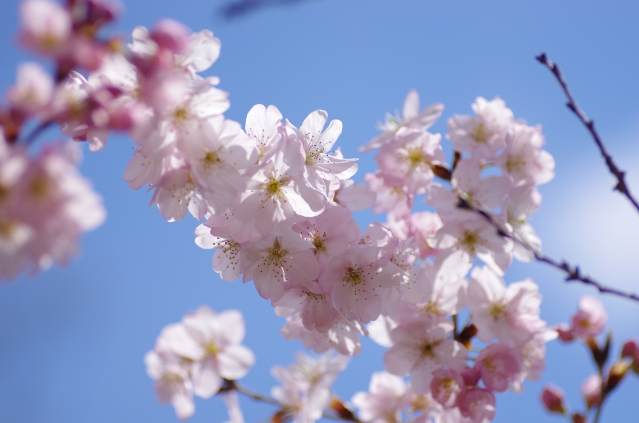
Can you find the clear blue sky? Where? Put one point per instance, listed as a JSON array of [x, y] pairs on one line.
[[72, 339]]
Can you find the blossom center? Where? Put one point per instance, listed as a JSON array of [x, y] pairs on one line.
[[273, 187], [210, 159], [497, 310], [212, 349], [354, 276], [39, 187], [180, 114], [514, 163], [480, 134], [415, 157], [276, 254], [319, 243], [470, 239]]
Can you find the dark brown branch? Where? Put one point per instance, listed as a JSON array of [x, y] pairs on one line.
[[621, 186], [573, 273]]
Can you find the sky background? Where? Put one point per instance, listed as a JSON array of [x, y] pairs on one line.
[[72, 339]]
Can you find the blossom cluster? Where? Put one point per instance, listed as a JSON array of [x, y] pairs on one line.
[[194, 357], [277, 202]]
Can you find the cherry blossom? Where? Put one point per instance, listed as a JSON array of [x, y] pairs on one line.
[[591, 318], [422, 346], [412, 117], [508, 313], [384, 401]]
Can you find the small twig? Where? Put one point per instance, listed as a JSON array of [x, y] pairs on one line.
[[590, 125], [572, 271], [231, 385], [253, 395]]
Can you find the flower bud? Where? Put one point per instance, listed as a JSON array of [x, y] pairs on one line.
[[565, 332], [630, 349], [171, 35], [616, 374], [591, 390], [553, 399], [578, 418]]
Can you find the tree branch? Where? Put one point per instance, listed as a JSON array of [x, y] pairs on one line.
[[572, 271], [590, 125], [342, 414]]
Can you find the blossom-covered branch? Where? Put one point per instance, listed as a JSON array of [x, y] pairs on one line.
[[573, 273], [621, 186]]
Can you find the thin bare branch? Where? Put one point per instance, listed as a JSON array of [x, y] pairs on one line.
[[573, 273], [231, 385], [621, 186]]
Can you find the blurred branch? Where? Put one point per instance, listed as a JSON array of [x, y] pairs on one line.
[[337, 411], [590, 125], [238, 8], [572, 271]]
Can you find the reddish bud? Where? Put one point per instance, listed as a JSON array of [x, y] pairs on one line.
[[171, 35], [553, 399], [339, 407], [565, 332], [578, 418], [591, 390], [630, 349]]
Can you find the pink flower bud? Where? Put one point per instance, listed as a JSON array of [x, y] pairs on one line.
[[591, 318], [630, 349], [477, 404], [446, 387], [171, 35], [470, 376], [591, 390], [565, 332], [553, 399]]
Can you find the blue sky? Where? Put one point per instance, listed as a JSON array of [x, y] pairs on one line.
[[72, 339]]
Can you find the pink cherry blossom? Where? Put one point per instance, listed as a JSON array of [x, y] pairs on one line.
[[446, 386], [478, 404], [172, 381], [278, 261], [498, 365], [276, 193], [356, 281], [305, 385], [46, 26], [523, 159], [591, 318], [321, 167], [409, 156], [262, 125], [343, 336], [33, 89], [482, 136], [384, 401], [510, 314], [422, 346], [411, 117]]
